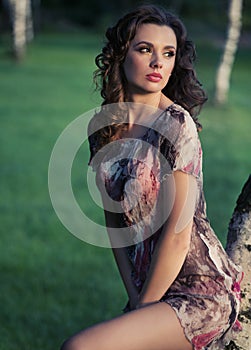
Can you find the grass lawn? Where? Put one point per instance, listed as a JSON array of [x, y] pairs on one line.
[[53, 284]]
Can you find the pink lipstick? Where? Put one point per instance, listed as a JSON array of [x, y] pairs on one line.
[[154, 77]]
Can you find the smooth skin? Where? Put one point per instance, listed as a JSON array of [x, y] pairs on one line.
[[152, 325]]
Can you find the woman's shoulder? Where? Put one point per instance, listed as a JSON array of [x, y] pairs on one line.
[[179, 116], [174, 123], [180, 113]]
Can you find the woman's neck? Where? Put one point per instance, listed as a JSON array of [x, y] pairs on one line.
[[144, 111], [156, 100], [151, 99]]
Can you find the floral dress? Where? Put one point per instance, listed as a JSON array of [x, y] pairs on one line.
[[206, 293]]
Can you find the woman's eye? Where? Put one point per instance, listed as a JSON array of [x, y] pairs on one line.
[[145, 50], [169, 53]]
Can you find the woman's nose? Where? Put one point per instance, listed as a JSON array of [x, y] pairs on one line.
[[156, 62]]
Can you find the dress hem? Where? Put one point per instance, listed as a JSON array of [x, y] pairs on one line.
[[180, 321]]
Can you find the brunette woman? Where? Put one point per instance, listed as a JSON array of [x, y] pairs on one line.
[[182, 287]]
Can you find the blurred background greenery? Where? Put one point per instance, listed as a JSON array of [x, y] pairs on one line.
[[53, 284]]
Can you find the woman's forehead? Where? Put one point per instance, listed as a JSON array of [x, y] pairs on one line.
[[154, 33]]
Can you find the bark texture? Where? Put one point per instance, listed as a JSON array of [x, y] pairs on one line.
[[239, 249]]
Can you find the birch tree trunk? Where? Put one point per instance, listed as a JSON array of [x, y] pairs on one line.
[[225, 68], [22, 26], [239, 249]]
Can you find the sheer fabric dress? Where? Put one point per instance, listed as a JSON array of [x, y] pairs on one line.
[[206, 293]]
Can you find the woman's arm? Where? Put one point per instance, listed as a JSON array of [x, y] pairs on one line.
[[122, 260], [124, 267], [173, 244]]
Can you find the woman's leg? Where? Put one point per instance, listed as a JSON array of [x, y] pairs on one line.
[[155, 327]]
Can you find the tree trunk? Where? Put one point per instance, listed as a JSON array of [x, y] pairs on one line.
[[239, 249], [226, 65], [22, 26], [29, 32]]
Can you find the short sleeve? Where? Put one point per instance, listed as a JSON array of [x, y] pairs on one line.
[[188, 148], [94, 142]]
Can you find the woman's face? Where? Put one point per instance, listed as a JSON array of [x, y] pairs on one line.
[[150, 59]]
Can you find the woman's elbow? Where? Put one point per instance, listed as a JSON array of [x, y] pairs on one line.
[[182, 245], [182, 240]]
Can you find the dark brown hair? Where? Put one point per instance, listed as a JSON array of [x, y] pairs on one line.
[[183, 86]]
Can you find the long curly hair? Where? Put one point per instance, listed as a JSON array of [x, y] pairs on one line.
[[183, 86]]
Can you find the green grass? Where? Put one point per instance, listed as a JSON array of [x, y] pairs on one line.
[[53, 284]]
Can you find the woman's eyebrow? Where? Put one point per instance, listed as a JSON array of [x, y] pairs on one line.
[[152, 45]]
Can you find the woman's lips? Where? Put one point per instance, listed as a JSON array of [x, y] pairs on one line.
[[154, 77]]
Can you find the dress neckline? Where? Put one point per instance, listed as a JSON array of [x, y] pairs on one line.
[[149, 127], [157, 118]]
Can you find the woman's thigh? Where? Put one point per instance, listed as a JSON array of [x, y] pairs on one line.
[[155, 327]]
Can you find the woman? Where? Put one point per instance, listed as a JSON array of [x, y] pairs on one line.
[[182, 287]]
